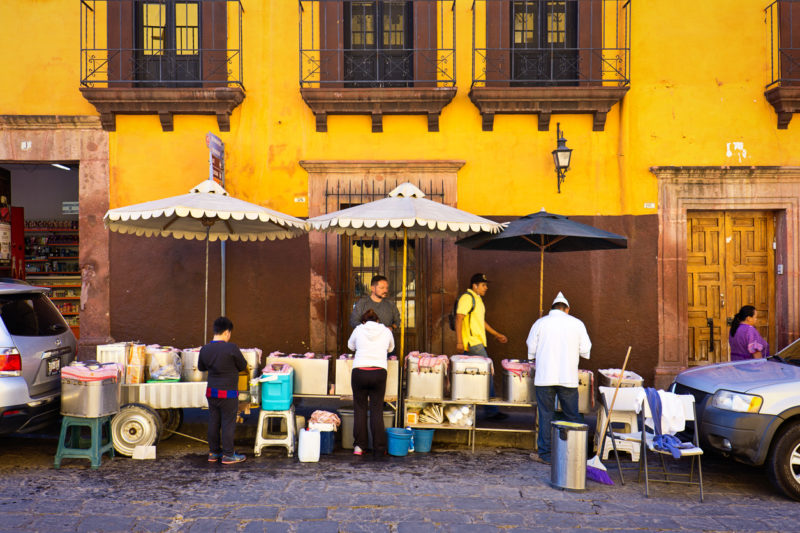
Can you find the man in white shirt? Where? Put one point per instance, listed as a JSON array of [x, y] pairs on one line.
[[556, 342]]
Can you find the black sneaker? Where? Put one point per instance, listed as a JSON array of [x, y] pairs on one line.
[[214, 457], [232, 459]]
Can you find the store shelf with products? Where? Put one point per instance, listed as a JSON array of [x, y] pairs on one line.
[[65, 292], [51, 247]]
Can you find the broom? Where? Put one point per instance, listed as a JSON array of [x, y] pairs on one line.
[[595, 469]]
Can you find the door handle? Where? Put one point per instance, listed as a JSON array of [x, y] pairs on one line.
[[710, 324]]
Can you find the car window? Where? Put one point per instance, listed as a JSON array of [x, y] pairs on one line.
[[792, 351], [31, 315]]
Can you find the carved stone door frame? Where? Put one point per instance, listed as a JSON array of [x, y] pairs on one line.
[[725, 188]]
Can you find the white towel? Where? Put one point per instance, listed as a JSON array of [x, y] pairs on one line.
[[672, 417]]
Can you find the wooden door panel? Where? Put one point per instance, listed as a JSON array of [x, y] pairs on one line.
[[730, 263], [751, 265]]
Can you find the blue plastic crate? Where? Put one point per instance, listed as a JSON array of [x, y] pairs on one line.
[[276, 395]]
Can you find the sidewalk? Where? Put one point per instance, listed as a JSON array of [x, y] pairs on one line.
[[449, 490]]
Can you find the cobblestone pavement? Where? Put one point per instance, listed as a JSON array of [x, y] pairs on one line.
[[447, 490]]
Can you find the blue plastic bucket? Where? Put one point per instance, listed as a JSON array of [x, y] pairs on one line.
[[423, 438], [398, 441]]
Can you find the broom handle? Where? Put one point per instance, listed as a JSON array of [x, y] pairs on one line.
[[614, 398]]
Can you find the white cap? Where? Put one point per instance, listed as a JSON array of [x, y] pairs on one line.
[[560, 299]]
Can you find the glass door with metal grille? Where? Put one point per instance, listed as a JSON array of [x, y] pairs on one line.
[[168, 44], [544, 42], [365, 258], [378, 40]]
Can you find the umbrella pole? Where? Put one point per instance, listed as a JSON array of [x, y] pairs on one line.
[[399, 413], [541, 280], [205, 298]]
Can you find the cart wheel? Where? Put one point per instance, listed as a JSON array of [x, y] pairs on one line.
[[135, 425], [171, 420]]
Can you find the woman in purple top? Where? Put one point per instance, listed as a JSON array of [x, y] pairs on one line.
[[745, 341]]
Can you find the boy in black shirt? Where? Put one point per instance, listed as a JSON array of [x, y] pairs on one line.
[[223, 361]]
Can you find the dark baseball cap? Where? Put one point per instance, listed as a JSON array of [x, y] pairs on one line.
[[478, 278]]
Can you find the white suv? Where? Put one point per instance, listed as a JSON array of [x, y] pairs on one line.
[[750, 410], [35, 342]]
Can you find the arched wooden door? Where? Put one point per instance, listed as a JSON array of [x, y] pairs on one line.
[[730, 263]]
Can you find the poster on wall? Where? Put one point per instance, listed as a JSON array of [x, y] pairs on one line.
[[5, 243]]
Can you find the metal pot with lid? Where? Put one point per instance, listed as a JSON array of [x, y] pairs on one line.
[[190, 372]]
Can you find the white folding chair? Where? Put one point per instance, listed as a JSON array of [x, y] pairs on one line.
[[624, 416], [694, 453]]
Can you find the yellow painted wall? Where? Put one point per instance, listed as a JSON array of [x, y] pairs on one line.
[[698, 75]]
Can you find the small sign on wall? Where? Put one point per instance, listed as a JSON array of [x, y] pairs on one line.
[[69, 208]]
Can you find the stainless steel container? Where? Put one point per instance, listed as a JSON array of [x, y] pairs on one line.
[[426, 384], [568, 456], [89, 399], [344, 369], [470, 378], [519, 386], [189, 371], [114, 353], [310, 375], [586, 392]]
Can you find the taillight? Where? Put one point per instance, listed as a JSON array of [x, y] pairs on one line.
[[10, 362]]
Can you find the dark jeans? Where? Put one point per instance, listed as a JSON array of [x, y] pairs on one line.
[[546, 405], [369, 389], [221, 424], [480, 349]]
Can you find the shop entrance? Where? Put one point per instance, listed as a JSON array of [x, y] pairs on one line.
[[730, 263], [39, 231], [370, 257]]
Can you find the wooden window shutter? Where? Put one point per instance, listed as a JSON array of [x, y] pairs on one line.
[[214, 43], [590, 41], [789, 20], [425, 50], [120, 22], [331, 39], [498, 43]]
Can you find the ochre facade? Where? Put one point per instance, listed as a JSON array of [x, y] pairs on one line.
[[689, 128]]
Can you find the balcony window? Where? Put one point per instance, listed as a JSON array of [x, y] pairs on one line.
[[550, 56], [783, 89], [377, 57], [152, 56]]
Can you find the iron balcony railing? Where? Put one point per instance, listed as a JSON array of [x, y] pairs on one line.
[[551, 43], [783, 25], [161, 43], [379, 43]]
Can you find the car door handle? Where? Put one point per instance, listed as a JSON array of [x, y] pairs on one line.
[[710, 323]]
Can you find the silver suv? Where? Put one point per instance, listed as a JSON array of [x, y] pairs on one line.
[[750, 410], [35, 342]]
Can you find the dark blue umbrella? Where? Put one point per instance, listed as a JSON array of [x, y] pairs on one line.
[[545, 232]]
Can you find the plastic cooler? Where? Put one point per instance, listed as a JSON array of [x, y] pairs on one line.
[[347, 417], [276, 387], [610, 376]]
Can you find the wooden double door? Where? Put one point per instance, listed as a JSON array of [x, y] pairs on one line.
[[730, 263]]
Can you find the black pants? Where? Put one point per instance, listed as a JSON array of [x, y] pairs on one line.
[[369, 388], [221, 424]]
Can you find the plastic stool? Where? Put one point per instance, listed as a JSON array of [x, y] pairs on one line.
[[630, 424], [99, 443], [264, 438]]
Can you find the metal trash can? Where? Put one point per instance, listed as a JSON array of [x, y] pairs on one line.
[[568, 456]]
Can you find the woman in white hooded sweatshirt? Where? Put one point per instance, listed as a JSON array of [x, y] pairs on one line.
[[371, 341]]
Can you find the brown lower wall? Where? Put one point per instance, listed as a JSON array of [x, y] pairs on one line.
[[157, 291], [614, 292]]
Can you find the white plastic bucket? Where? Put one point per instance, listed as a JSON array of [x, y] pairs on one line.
[[308, 447]]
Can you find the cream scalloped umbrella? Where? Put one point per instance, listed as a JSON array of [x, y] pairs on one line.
[[404, 213], [207, 212]]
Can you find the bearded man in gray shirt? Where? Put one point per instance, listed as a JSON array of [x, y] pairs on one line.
[[387, 311]]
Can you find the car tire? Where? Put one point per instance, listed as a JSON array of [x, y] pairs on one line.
[[783, 464], [135, 425]]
